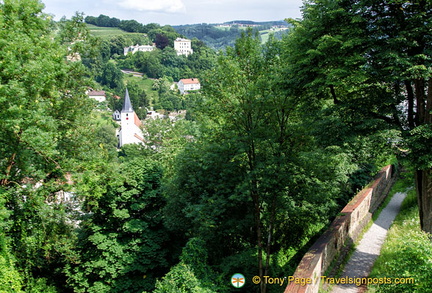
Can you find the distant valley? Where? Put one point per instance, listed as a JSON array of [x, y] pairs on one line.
[[216, 35]]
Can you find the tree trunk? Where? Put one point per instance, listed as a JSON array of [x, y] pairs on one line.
[[410, 95], [269, 237], [5, 181], [255, 197], [419, 86], [423, 180], [333, 94], [428, 114]]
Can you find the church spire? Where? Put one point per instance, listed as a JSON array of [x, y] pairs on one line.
[[127, 105]]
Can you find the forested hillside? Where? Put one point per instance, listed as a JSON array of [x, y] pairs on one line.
[[280, 136], [218, 37]]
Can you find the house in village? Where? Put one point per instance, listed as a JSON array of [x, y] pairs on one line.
[[187, 85], [99, 96], [183, 46], [130, 125], [138, 48]]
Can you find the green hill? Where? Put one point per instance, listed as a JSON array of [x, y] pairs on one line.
[[109, 32]]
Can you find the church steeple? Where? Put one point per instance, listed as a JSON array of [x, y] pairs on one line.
[[130, 131], [127, 105]]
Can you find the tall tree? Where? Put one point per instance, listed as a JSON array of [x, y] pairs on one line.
[[43, 96], [372, 59], [256, 162], [43, 108], [401, 52]]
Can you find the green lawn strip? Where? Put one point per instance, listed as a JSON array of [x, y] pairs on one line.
[[109, 32], [406, 254]]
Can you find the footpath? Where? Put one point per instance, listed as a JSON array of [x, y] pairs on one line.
[[361, 262]]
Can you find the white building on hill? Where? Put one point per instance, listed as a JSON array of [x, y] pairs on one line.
[[183, 46], [189, 84], [99, 96], [138, 48], [130, 131]]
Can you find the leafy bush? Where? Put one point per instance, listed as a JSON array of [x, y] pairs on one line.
[[10, 279], [191, 275]]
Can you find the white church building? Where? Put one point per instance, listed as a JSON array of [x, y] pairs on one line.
[[130, 131]]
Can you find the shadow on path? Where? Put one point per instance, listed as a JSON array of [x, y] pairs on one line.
[[361, 262]]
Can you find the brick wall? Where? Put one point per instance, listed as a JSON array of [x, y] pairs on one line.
[[344, 229]]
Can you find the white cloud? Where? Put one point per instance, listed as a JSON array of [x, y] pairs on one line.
[[170, 6]]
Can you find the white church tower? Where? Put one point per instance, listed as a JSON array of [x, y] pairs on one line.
[[130, 131]]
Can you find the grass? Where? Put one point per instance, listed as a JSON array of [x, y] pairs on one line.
[[108, 32], [406, 253], [146, 84]]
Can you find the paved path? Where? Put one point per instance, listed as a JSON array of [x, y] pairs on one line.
[[361, 261]]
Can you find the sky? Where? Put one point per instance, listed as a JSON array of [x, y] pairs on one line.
[[178, 12]]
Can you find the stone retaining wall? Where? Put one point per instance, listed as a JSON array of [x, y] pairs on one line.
[[344, 229]]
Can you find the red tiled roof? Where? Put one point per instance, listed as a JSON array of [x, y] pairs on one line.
[[96, 93], [137, 121], [190, 81]]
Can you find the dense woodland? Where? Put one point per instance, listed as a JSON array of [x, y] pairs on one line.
[[278, 140]]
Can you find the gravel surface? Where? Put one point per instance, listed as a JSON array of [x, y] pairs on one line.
[[368, 249]]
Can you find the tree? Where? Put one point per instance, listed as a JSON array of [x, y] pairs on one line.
[[372, 59], [43, 108], [91, 20], [161, 41], [111, 76], [41, 105], [103, 20], [139, 98], [153, 68], [117, 45], [131, 26], [124, 246], [250, 183], [404, 34], [191, 274], [75, 34]]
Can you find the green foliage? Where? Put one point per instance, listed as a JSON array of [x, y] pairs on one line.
[[123, 243], [111, 76], [419, 142], [405, 244], [256, 181], [45, 138], [215, 38], [281, 135], [371, 59], [43, 96], [10, 278], [182, 279], [219, 38], [192, 274], [41, 236]]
